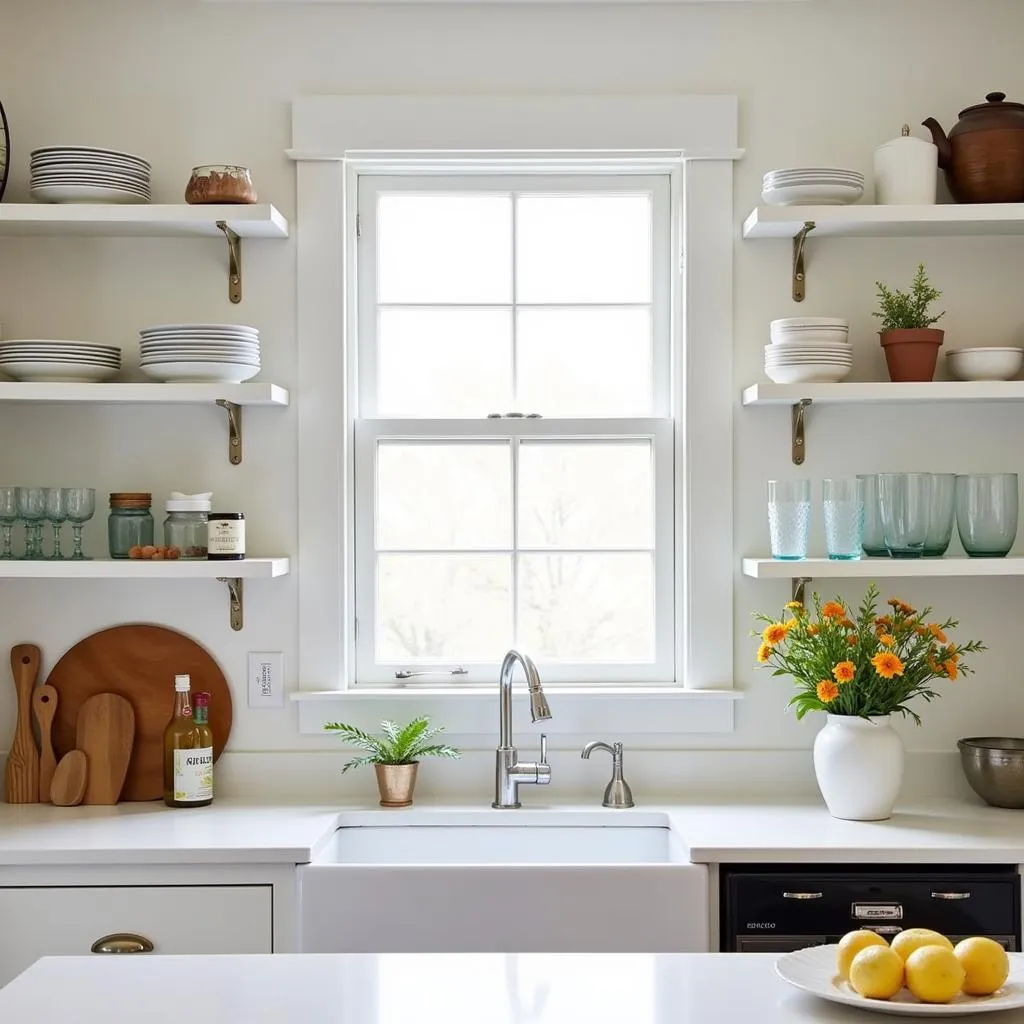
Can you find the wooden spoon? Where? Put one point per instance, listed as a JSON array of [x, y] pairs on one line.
[[69, 779], [21, 778], [44, 704]]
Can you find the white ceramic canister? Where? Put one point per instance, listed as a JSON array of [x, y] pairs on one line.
[[906, 171]]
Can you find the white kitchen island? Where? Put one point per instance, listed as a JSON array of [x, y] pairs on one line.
[[477, 988]]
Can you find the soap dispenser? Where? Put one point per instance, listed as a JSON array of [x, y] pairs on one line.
[[617, 793]]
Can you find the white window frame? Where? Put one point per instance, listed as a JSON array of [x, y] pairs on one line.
[[696, 134]]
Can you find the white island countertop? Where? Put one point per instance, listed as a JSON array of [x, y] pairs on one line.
[[476, 988], [723, 831]]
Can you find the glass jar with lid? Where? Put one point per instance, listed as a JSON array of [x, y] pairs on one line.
[[130, 523], [185, 527]]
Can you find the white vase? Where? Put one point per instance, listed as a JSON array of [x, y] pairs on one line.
[[859, 766]]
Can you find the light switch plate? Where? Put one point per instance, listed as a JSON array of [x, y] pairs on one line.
[[266, 679]]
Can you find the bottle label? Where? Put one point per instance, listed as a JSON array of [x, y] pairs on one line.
[[193, 775], [226, 537]]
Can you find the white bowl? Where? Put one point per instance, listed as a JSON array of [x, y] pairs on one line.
[[809, 321], [211, 373], [985, 363], [812, 195], [808, 373]]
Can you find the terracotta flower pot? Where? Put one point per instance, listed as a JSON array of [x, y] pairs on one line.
[[911, 354], [396, 783]]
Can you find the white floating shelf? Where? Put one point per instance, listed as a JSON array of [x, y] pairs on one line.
[[158, 394], [140, 569], [877, 221], [886, 391], [826, 568], [259, 220]]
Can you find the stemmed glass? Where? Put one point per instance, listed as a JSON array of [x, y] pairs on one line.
[[31, 508], [81, 503], [57, 513], [8, 517]]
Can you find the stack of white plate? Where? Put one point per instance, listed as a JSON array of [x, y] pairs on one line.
[[222, 353], [85, 174], [821, 186], [42, 360], [808, 349]]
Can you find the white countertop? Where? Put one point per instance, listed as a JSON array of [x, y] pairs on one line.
[[233, 831], [540, 988]]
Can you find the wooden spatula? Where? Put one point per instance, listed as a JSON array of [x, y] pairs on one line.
[[44, 704], [105, 734], [21, 776], [69, 779]]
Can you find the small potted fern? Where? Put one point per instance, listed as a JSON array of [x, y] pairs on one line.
[[395, 755], [910, 341]]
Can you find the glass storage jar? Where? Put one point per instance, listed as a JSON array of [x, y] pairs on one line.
[[220, 183], [185, 527], [130, 523]]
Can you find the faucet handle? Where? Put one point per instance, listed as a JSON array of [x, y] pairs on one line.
[[543, 748]]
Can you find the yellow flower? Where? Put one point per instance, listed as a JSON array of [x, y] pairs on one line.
[[763, 652], [887, 664], [936, 632], [813, 629], [774, 634], [790, 624], [833, 610], [827, 691], [887, 639], [951, 669], [844, 671], [794, 606]]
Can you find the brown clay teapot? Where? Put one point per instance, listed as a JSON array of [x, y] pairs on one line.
[[983, 157]]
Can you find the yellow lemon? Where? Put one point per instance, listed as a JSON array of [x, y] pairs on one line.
[[934, 974], [850, 945], [876, 972], [985, 963], [906, 941]]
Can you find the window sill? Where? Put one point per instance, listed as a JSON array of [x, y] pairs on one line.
[[624, 711]]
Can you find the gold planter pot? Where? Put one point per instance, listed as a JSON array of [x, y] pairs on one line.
[[396, 783]]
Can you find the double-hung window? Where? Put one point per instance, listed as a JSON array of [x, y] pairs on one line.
[[514, 441]]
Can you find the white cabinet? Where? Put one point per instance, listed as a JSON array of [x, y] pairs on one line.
[[62, 920]]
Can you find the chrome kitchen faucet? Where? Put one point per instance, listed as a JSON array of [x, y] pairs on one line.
[[509, 773]]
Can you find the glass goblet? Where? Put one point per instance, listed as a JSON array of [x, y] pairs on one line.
[[8, 517], [31, 509], [81, 503], [57, 514]]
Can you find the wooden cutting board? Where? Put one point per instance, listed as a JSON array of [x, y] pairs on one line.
[[105, 734], [138, 663]]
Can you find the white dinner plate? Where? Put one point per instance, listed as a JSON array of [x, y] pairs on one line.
[[41, 371], [64, 346], [55, 357], [73, 167], [110, 154], [114, 183], [200, 357], [88, 178], [210, 373], [188, 328], [197, 342], [85, 194], [814, 970]]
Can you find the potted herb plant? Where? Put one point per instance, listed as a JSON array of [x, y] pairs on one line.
[[862, 669], [395, 755], [910, 341]]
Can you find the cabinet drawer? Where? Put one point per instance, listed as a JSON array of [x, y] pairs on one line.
[[64, 920]]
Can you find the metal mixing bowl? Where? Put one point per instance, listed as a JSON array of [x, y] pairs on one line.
[[994, 766]]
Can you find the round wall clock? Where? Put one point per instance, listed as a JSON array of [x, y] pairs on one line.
[[5, 150]]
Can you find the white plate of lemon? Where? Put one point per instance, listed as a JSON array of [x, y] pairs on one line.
[[921, 974]]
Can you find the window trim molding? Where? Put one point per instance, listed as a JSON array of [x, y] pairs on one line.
[[697, 132]]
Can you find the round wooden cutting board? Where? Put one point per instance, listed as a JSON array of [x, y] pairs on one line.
[[139, 663]]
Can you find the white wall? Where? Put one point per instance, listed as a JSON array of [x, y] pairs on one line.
[[184, 82]]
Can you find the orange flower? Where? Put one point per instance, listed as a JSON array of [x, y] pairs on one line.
[[827, 691], [895, 602], [905, 609], [846, 623], [852, 639], [774, 634], [813, 629], [886, 639], [844, 671], [833, 610], [763, 652], [936, 632], [883, 622], [951, 669], [887, 664]]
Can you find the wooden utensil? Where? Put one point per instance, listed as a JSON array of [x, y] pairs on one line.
[[21, 776], [44, 705], [69, 779], [105, 734], [138, 663]]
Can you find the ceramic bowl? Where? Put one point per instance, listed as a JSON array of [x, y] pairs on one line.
[[984, 363], [807, 373]]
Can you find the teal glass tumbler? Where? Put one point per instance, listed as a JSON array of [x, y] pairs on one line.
[[842, 504], [789, 517], [942, 515], [986, 513], [904, 500], [873, 541]]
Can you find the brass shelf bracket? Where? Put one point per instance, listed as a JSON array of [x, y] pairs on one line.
[[799, 443], [799, 585], [234, 411], [799, 273], [235, 599], [234, 262]]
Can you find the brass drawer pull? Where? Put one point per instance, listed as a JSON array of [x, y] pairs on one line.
[[122, 942], [951, 895], [802, 895]]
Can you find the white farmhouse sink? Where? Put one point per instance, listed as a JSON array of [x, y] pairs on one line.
[[503, 881]]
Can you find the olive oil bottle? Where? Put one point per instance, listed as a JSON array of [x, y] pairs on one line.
[[188, 750]]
